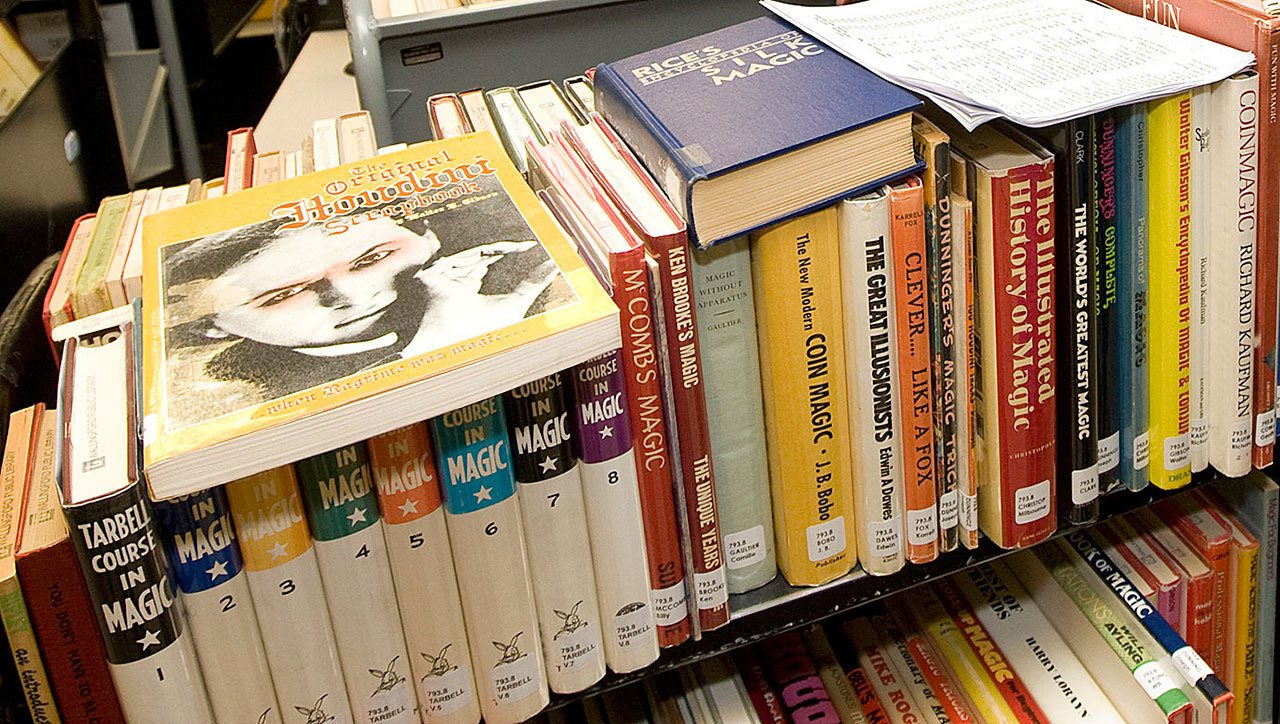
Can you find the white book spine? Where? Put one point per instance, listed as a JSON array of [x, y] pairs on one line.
[[1232, 270], [1202, 171], [324, 144], [356, 140], [342, 510], [422, 568], [868, 297], [164, 687], [288, 596], [483, 515], [611, 490], [1061, 685]]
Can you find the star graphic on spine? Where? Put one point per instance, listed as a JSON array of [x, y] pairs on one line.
[[410, 507], [357, 516], [278, 551], [606, 431], [549, 464], [151, 639], [218, 569], [483, 494]]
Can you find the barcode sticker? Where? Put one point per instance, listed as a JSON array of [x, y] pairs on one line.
[[1032, 502], [670, 605], [922, 525], [948, 510], [745, 548], [1266, 430], [1109, 453], [712, 590], [1084, 485], [826, 539], [1190, 664], [1141, 450], [1154, 680], [884, 537], [1177, 452]]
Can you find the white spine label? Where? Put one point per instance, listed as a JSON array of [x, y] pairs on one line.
[[1109, 453], [1084, 485], [517, 678], [884, 537], [1266, 432], [670, 605], [446, 693], [1032, 502], [1177, 452], [969, 512], [1153, 679], [745, 548], [1141, 450], [633, 625], [1199, 432], [1190, 664], [1240, 441], [922, 526], [948, 510], [713, 591], [826, 539]]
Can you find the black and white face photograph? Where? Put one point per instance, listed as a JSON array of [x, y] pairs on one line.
[[260, 312]]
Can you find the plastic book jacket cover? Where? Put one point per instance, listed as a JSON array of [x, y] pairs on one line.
[[292, 299]]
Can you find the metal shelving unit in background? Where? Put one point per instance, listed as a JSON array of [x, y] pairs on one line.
[[401, 61]]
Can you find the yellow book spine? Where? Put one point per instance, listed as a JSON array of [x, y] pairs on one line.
[[796, 272], [1169, 300], [1243, 671], [969, 672]]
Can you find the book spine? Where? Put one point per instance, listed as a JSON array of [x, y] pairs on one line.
[[62, 617], [1056, 678], [970, 673], [1234, 206], [891, 689], [1078, 341], [632, 294], [288, 596], [944, 341], [893, 644], [697, 476], [1243, 649], [614, 521], [1202, 173], [342, 513], [1189, 524], [477, 483], [873, 710], [404, 472], [1108, 303], [153, 663], [764, 699], [1169, 209], [37, 692], [834, 680], [934, 671], [794, 674], [1130, 332], [200, 540], [1255, 501], [731, 362], [549, 487], [1189, 663], [1016, 292], [796, 272], [966, 501], [916, 391], [867, 287], [1109, 624]]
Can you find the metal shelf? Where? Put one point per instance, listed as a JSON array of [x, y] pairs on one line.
[[778, 607]]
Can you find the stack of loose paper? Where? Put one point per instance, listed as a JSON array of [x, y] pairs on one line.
[[1034, 62]]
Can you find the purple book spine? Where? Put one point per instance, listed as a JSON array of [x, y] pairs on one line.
[[604, 427]]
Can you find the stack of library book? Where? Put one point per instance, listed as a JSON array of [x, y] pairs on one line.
[[431, 432]]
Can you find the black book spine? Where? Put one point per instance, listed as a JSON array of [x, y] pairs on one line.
[[538, 419], [1107, 304]]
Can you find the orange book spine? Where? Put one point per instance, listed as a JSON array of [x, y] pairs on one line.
[[915, 385]]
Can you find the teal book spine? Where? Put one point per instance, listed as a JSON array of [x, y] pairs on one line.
[[731, 369], [1129, 333]]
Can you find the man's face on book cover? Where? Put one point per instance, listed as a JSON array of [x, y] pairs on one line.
[[310, 289]]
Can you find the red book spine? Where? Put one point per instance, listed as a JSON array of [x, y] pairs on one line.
[[62, 617], [872, 709], [631, 293], [45, 312], [1022, 210], [935, 674], [1216, 553], [1007, 681], [1250, 29], [693, 440], [763, 698], [795, 676]]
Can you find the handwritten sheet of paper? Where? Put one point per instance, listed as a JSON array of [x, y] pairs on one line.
[[1034, 62]]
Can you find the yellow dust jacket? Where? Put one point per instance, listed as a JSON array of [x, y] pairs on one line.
[[290, 319]]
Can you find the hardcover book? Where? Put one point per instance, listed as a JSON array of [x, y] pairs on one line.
[[725, 119], [322, 310], [1130, 330]]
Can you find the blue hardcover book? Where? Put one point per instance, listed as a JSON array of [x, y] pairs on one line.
[[1129, 335], [756, 123], [1185, 659]]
